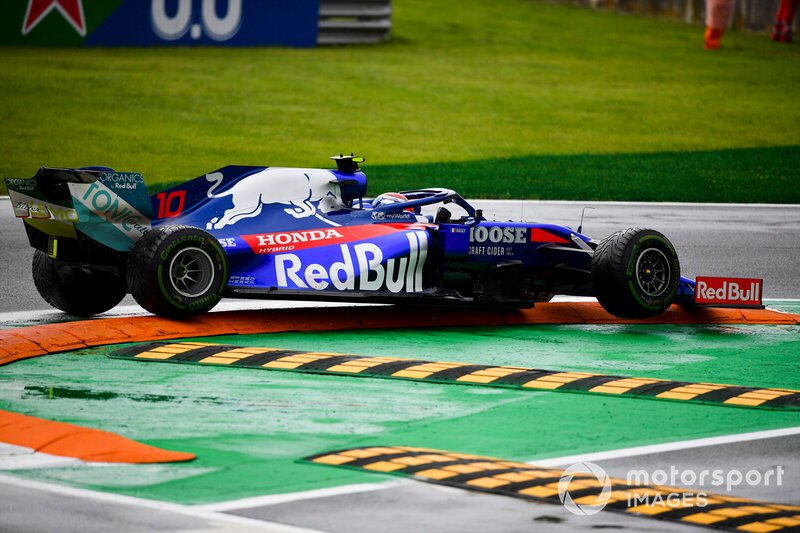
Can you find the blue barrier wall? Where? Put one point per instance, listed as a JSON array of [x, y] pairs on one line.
[[160, 22]]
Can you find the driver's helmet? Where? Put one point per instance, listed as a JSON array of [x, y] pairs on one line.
[[388, 198]]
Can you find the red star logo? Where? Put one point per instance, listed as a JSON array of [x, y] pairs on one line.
[[72, 10]]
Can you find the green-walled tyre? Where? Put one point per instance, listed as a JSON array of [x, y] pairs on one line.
[[635, 273], [177, 271]]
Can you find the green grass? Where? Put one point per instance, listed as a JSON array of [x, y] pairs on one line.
[[512, 88], [767, 175]]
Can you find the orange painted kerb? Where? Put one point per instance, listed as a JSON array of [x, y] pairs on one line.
[[86, 444], [21, 343]]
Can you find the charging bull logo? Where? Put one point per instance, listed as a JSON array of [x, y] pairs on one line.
[[307, 193]]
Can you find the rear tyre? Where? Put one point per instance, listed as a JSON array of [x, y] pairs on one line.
[[635, 273], [177, 271], [74, 290]]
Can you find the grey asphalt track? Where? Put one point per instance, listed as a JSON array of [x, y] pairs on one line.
[[417, 506], [40, 508], [723, 240], [409, 505]]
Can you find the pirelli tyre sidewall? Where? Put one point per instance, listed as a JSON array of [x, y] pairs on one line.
[[177, 271], [635, 273]]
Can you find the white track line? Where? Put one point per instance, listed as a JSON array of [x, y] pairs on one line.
[[48, 316], [554, 461], [14, 457], [274, 499], [667, 447], [194, 511], [51, 315]]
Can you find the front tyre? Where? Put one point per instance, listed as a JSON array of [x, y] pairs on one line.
[[635, 273], [74, 290], [177, 271]]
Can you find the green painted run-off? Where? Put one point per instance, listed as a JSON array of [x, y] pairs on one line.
[[249, 427]]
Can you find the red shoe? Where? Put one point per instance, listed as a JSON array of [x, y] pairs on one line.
[[713, 37], [778, 30], [782, 32]]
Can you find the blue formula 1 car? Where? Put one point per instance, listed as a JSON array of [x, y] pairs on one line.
[[291, 233]]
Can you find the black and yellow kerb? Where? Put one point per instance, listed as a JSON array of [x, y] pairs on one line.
[[521, 480], [461, 374]]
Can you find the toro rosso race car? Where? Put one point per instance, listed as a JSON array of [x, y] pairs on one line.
[[292, 233]]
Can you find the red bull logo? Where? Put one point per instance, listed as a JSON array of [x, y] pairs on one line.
[[362, 267], [728, 291]]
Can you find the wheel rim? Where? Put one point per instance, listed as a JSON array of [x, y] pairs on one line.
[[191, 272], [653, 272]]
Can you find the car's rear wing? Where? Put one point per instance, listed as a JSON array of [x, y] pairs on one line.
[[112, 208]]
